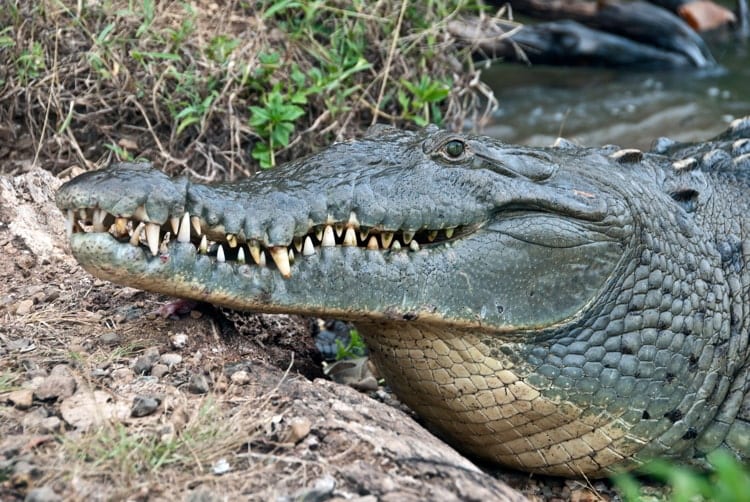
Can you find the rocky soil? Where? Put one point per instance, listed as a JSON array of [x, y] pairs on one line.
[[105, 396]]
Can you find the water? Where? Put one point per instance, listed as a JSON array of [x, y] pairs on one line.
[[628, 108]]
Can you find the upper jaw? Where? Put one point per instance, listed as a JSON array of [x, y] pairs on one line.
[[265, 228]]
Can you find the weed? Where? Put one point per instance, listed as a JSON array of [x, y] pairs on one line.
[[7, 382], [727, 483], [352, 350]]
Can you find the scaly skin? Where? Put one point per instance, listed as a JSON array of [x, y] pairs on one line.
[[565, 310]]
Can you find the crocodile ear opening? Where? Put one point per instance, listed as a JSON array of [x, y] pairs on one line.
[[686, 197]]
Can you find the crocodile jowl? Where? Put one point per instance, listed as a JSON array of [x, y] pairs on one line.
[[560, 310]]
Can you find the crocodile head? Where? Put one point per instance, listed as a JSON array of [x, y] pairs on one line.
[[493, 283]]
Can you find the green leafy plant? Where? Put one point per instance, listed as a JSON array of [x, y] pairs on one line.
[[352, 350], [728, 482], [274, 122], [420, 101], [31, 62]]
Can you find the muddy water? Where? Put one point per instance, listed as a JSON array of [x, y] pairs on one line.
[[627, 108]]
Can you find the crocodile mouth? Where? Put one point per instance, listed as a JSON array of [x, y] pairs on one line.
[[212, 241]]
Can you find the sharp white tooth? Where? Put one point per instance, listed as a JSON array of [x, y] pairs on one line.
[[363, 233], [183, 234], [353, 220], [308, 249], [449, 232], [98, 220], [339, 229], [255, 251], [262, 261], [203, 247], [386, 238], [140, 213], [152, 237], [432, 235], [297, 241], [328, 239], [83, 215], [241, 256], [396, 245], [164, 246], [291, 255], [280, 257], [232, 240], [414, 246], [373, 243], [350, 237], [135, 239], [408, 236], [121, 226], [220, 254], [70, 221], [174, 222], [196, 223]]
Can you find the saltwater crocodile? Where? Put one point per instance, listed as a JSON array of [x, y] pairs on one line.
[[561, 310]]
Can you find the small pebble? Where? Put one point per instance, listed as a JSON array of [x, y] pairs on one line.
[[159, 370], [42, 494], [59, 383], [299, 427], [241, 377], [198, 383], [24, 307], [21, 399], [110, 338], [171, 359], [143, 406], [179, 340], [145, 361]]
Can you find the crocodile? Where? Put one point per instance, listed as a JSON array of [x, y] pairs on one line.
[[562, 310]]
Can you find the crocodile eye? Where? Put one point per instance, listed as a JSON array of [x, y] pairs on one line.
[[454, 148]]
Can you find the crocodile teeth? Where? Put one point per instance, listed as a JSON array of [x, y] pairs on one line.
[[152, 237], [297, 242], [70, 222], [372, 244], [414, 246], [308, 249], [140, 213], [164, 246], [135, 239], [121, 226], [280, 257], [449, 232], [396, 245], [196, 223], [353, 221], [183, 234], [220, 254], [350, 237], [255, 251], [232, 240], [328, 239], [339, 227], [241, 256], [408, 236], [98, 220], [386, 238], [432, 235], [262, 260], [203, 247], [363, 233], [174, 222], [319, 234], [291, 256]]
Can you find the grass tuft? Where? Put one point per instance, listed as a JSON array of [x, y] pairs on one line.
[[218, 91]]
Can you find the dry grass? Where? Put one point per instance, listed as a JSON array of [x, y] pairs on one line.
[[82, 82]]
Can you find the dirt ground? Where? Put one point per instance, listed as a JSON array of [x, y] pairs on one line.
[[103, 398]]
